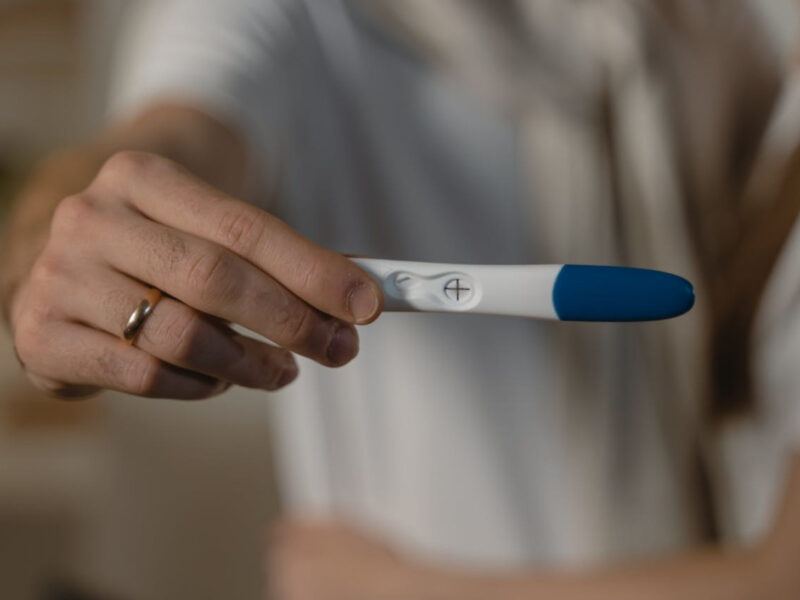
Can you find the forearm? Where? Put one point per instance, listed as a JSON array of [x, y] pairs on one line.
[[766, 571], [710, 575], [184, 135], [701, 575]]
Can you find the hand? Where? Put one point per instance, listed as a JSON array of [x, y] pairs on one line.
[[145, 221], [329, 561]]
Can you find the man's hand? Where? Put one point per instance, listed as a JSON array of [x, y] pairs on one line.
[[146, 221]]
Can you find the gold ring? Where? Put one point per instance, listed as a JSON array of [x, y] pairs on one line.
[[140, 314]]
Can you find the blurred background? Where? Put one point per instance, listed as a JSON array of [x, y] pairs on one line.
[[112, 497], [116, 497]]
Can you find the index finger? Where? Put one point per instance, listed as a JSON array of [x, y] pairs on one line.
[[166, 192]]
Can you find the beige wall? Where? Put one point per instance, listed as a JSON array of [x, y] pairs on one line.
[[140, 499]]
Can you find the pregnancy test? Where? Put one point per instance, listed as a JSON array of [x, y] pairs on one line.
[[556, 292]]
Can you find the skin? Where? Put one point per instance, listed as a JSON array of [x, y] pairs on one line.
[[331, 561], [153, 201], [99, 224]]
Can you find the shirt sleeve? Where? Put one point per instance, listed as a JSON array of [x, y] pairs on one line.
[[226, 57]]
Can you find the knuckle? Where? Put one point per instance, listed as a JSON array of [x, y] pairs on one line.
[[141, 377], [45, 272], [299, 325], [35, 318], [309, 274], [44, 301], [242, 230], [29, 339], [167, 249], [107, 366], [183, 333], [40, 314], [72, 215], [127, 164], [211, 273]]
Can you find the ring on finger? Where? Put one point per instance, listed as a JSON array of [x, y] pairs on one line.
[[138, 317]]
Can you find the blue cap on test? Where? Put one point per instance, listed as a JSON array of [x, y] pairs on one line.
[[600, 293]]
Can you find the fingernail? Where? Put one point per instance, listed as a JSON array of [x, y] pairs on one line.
[[343, 346], [363, 303]]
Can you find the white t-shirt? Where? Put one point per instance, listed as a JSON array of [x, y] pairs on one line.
[[451, 435]]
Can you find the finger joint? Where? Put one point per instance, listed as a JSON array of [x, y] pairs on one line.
[[241, 231], [210, 275]]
